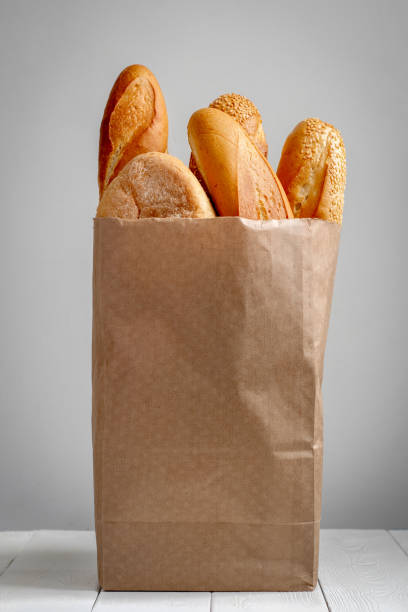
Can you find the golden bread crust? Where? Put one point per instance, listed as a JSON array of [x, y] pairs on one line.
[[312, 170], [155, 185], [135, 121], [246, 114], [238, 177]]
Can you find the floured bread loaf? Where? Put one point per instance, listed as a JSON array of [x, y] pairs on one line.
[[155, 185]]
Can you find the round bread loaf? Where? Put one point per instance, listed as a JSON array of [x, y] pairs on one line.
[[135, 121], [155, 185], [237, 175], [312, 170]]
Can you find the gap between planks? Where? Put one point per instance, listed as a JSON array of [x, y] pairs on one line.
[[323, 594], [363, 570], [378, 557]]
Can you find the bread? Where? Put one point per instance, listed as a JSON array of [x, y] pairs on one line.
[[312, 170], [135, 121], [154, 185], [245, 112], [238, 177]]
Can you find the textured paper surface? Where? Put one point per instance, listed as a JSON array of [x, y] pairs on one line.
[[208, 346]]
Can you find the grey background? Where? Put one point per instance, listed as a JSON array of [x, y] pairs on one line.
[[343, 62]]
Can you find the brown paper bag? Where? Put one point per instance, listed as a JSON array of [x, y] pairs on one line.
[[208, 345]]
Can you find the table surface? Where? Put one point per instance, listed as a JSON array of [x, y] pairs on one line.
[[361, 570]]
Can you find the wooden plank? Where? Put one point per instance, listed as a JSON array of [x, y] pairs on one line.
[[11, 543], [359, 571], [363, 570], [401, 536], [310, 601], [152, 602], [56, 571]]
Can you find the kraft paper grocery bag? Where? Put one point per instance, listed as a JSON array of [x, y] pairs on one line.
[[208, 346]]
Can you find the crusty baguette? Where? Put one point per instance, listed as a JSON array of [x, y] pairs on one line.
[[155, 185], [238, 177], [245, 112], [135, 121], [312, 170]]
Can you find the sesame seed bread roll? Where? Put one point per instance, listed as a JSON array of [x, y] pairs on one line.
[[155, 185], [246, 113], [248, 116], [312, 170], [237, 175], [135, 121]]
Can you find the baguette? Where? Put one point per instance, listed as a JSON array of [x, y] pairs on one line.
[[135, 121], [237, 175], [248, 116]]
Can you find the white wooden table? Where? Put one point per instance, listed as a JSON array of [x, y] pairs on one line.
[[44, 571]]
